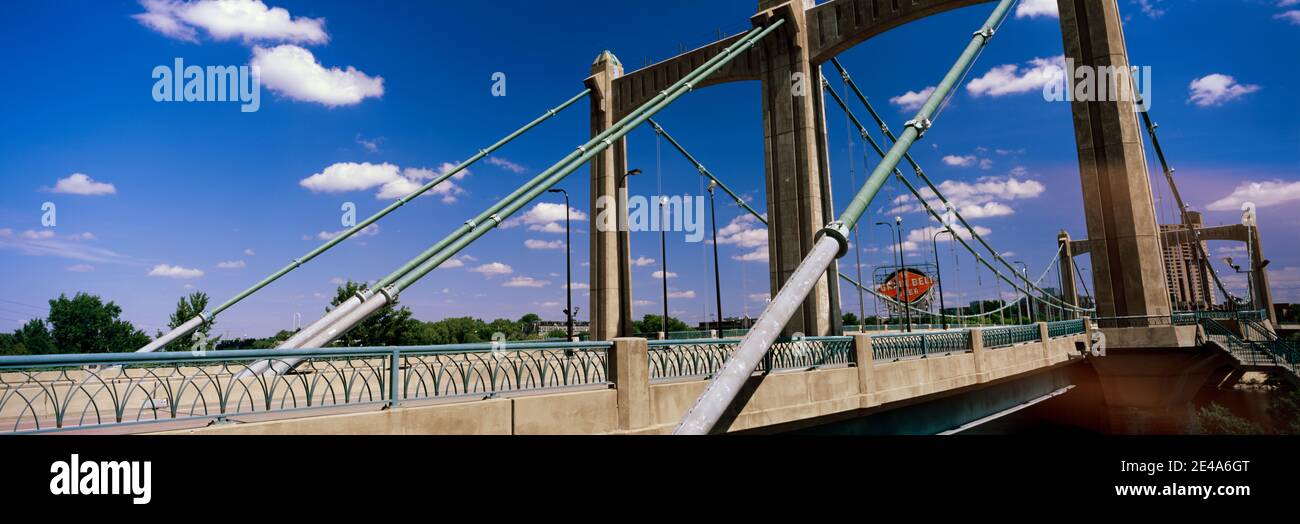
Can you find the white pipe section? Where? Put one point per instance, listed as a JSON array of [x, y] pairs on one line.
[[708, 409], [189, 325]]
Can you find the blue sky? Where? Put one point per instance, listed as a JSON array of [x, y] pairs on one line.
[[156, 199]]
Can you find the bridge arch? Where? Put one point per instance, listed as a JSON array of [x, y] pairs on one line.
[[1128, 267]]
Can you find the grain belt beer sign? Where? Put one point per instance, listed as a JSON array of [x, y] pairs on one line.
[[908, 285]]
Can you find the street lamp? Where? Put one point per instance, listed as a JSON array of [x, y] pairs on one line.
[[938, 273], [1029, 303], [568, 265], [896, 228], [663, 255], [717, 283], [624, 248]]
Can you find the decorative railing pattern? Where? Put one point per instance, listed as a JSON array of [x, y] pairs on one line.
[[50, 392], [705, 357], [909, 345], [1285, 352], [686, 335], [1000, 337], [1064, 328], [1246, 352]]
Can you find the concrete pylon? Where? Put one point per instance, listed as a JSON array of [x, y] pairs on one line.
[[1127, 262], [1069, 290], [611, 286], [794, 160], [1259, 277]]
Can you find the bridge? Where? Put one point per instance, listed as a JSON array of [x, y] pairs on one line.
[[797, 368]]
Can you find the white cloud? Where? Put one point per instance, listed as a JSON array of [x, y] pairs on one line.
[[80, 268], [1037, 8], [542, 244], [249, 252], [1011, 79], [643, 303], [758, 254], [743, 231], [371, 144], [525, 282], [294, 72], [338, 281], [81, 184], [393, 182], [912, 100], [492, 269], [250, 20], [926, 235], [33, 243], [760, 297], [1218, 89], [231, 264], [506, 165], [1149, 8], [1292, 16], [545, 217], [169, 271], [981, 199], [642, 261], [350, 176], [681, 294], [1263, 194], [660, 274], [960, 161], [368, 231]]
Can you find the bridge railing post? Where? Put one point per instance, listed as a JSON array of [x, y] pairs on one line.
[[865, 360], [1045, 338], [394, 365], [977, 350], [629, 370]]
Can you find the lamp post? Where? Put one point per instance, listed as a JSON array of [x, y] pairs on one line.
[[717, 283], [1029, 303], [898, 251], [624, 249], [663, 255], [943, 320], [568, 265]]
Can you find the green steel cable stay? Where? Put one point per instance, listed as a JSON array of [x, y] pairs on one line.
[[206, 317], [704, 170], [1178, 199], [357, 308], [832, 242], [884, 128], [898, 174]]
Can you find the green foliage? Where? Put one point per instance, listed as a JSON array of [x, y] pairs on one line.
[[85, 324], [1285, 411], [654, 323], [557, 333], [187, 308], [1218, 420], [850, 319]]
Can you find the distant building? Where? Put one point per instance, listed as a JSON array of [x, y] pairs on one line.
[[543, 327], [1187, 282]]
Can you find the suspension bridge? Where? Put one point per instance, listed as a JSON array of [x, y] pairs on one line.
[[1140, 345]]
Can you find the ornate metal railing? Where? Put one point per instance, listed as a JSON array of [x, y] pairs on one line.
[[52, 392], [1064, 328], [1000, 337], [686, 335], [1245, 351], [909, 345], [1285, 352], [734, 333], [672, 359]]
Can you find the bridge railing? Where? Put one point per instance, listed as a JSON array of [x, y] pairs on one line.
[[1000, 337], [1064, 328], [911, 345], [674, 359], [52, 392]]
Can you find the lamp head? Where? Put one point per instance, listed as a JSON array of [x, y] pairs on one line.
[[632, 172]]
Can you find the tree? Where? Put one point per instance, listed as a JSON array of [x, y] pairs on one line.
[[85, 324], [458, 330], [32, 339], [653, 323], [850, 319], [186, 309], [389, 326], [1218, 420], [529, 323]]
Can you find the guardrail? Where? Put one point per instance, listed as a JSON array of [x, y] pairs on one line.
[[686, 335], [1245, 351], [907, 345], [52, 392], [673, 359], [1000, 337], [1064, 328]]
